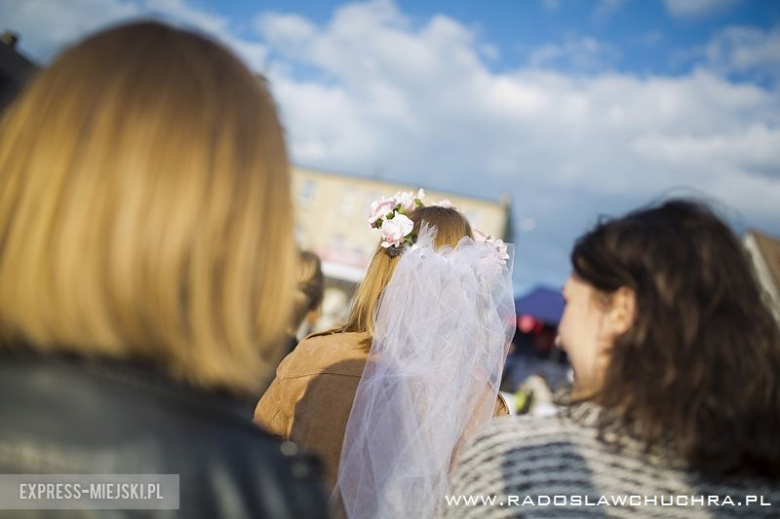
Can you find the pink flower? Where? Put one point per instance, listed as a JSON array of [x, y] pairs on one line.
[[499, 255], [479, 236], [501, 251], [380, 209], [408, 200], [395, 230], [445, 203]]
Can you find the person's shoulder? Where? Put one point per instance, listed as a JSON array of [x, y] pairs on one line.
[[322, 350], [574, 421], [522, 436], [258, 445], [244, 458], [335, 336], [527, 427]]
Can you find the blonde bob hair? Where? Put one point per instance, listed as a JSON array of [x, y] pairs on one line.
[[145, 209], [451, 226]]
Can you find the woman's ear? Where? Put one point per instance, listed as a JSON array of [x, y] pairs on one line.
[[622, 312]]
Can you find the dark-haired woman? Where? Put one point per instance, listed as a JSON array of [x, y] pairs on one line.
[[676, 406]]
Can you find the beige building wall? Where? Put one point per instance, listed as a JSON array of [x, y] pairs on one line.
[[764, 250], [331, 212], [332, 209]]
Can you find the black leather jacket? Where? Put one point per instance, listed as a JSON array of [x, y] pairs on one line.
[[63, 415]]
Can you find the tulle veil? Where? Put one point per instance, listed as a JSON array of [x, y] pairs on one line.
[[443, 327]]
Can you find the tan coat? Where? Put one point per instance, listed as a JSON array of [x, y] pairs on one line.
[[310, 399]]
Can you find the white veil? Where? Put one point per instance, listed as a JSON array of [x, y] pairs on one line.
[[442, 332]]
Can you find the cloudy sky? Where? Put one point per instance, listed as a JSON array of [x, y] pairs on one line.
[[574, 108]]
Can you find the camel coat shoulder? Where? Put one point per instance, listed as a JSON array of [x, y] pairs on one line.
[[310, 399]]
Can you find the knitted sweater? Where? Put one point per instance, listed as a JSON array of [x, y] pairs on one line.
[[558, 467]]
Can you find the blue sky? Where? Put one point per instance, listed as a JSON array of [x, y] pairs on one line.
[[575, 108], [643, 35]]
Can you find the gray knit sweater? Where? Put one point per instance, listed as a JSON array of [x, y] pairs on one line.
[[557, 467]]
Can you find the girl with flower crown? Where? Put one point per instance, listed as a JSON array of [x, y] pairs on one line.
[[388, 399]]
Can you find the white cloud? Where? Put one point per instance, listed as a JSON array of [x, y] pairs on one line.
[[746, 49], [651, 38], [420, 103], [324, 123], [489, 51], [216, 25], [46, 27], [371, 91], [585, 54], [694, 9], [285, 31], [183, 13], [606, 8], [741, 168]]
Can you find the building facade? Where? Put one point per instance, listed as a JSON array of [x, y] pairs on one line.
[[331, 221], [764, 250]]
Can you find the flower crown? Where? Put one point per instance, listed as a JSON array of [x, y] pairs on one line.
[[388, 216]]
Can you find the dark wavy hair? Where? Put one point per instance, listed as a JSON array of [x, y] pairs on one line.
[[700, 366]]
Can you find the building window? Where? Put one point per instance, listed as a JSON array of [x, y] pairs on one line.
[[306, 193]]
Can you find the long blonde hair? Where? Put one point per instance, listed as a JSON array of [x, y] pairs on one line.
[[310, 288], [145, 208], [451, 226]]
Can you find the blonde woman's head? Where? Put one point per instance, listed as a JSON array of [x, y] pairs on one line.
[[451, 226], [310, 288], [145, 208]]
